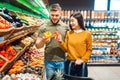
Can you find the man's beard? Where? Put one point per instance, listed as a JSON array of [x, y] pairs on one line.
[[54, 23]]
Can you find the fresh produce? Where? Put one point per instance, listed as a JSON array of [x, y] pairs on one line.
[[2, 62], [30, 69], [56, 34], [17, 21], [29, 20], [27, 40], [17, 66], [4, 24], [18, 47], [58, 75], [21, 76], [6, 77], [8, 52], [33, 54], [6, 17], [47, 34]]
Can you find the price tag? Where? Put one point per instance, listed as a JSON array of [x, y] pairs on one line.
[[1, 38]]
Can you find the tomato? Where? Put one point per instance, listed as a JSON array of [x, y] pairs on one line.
[[10, 57], [2, 63], [2, 52], [4, 24]]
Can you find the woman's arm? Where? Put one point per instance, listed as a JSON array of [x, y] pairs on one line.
[[89, 48], [63, 44]]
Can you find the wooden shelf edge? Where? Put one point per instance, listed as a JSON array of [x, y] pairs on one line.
[[3, 43], [5, 59]]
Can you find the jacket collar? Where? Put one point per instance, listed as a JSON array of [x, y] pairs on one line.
[[77, 31]]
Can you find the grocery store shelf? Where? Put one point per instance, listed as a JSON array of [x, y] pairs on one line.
[[25, 7]]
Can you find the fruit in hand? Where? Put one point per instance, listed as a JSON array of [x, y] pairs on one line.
[[56, 34], [47, 34]]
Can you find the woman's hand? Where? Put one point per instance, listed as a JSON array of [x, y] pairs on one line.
[[58, 36], [78, 62]]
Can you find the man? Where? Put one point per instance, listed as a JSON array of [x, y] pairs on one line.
[[54, 56]]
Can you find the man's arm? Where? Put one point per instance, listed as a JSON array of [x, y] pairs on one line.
[[39, 43]]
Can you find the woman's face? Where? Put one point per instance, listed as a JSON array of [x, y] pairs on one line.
[[74, 23]]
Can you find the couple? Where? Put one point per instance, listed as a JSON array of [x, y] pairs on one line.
[[76, 42]]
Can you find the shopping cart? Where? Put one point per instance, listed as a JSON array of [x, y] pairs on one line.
[[69, 77]]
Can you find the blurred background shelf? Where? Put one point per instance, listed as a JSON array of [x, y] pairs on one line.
[[32, 7]]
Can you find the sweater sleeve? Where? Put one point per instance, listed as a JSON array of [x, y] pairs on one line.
[[63, 44], [89, 48]]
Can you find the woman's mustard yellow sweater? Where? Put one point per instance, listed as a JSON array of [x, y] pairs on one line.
[[77, 45]]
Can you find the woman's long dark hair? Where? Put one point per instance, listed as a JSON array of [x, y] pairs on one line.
[[79, 18]]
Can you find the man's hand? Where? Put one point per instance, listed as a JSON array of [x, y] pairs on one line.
[[47, 35], [46, 40]]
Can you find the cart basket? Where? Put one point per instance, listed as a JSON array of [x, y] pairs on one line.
[[70, 77]]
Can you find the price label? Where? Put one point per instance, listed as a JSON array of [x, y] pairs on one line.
[[1, 38]]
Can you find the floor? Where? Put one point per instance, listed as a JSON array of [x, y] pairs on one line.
[[104, 72]]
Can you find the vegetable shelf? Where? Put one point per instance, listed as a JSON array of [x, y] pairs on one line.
[[15, 35], [9, 63]]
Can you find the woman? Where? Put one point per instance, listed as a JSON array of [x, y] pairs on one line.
[[78, 45]]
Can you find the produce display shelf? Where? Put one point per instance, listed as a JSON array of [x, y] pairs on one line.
[[17, 33]]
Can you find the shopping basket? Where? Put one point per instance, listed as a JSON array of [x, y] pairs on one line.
[[69, 77]]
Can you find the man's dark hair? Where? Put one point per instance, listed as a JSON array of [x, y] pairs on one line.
[[55, 7]]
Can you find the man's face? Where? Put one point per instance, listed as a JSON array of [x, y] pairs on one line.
[[55, 16]]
